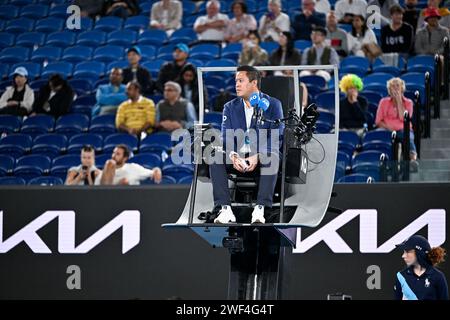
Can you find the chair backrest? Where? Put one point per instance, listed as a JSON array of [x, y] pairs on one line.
[[120, 138], [9, 181], [9, 123], [147, 160], [46, 181], [38, 161]]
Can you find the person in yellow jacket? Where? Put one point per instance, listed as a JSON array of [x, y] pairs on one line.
[[137, 114]]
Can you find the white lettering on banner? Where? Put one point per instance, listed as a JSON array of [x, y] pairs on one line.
[[128, 220], [368, 232]]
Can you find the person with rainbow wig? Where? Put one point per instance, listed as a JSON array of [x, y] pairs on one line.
[[352, 113]]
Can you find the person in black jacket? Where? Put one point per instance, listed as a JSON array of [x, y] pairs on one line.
[[54, 98], [189, 85], [121, 8], [352, 109], [170, 71], [136, 72]]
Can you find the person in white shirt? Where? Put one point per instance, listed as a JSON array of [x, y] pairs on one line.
[[86, 172], [322, 6], [273, 22], [346, 9], [238, 27], [118, 172], [360, 37], [212, 26], [166, 15]]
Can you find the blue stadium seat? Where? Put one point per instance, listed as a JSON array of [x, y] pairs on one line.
[[326, 100], [314, 80], [34, 69], [232, 51], [6, 164], [189, 8], [166, 52], [352, 69], [15, 145], [417, 78], [420, 60], [368, 156], [188, 22], [4, 69], [14, 55], [185, 180], [213, 117], [394, 71], [92, 38], [77, 142], [50, 144], [372, 96], [101, 159], [21, 3], [153, 66], [86, 23], [108, 24], [72, 124], [205, 51], [7, 39], [125, 38], [185, 35], [323, 127], [91, 69], [108, 53], [339, 172], [221, 63], [113, 140], [327, 117], [115, 64], [269, 46], [34, 11], [356, 178], [81, 109], [348, 141], [199, 63], [38, 124], [87, 100], [61, 164], [49, 25], [375, 87], [165, 180], [145, 7], [302, 44], [8, 12], [378, 63], [379, 140], [153, 37], [46, 181], [362, 62], [156, 142], [46, 54], [58, 11], [178, 171], [9, 124], [81, 86], [148, 52], [61, 39], [147, 160], [37, 84], [103, 125], [63, 68], [77, 54], [378, 77], [343, 159], [20, 25], [137, 23], [31, 166], [12, 181]]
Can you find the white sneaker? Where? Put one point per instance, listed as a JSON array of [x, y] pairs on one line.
[[225, 215], [258, 214]]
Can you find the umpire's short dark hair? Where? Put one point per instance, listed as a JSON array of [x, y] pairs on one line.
[[126, 151], [252, 74], [135, 84]]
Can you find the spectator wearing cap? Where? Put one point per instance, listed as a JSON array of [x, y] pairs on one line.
[[170, 71], [211, 27], [110, 96], [137, 114], [54, 98], [362, 39], [174, 112], [239, 27], [352, 108], [135, 72], [411, 13], [384, 13], [273, 22], [189, 86], [430, 39], [444, 13], [421, 280], [166, 15], [18, 99], [319, 54], [398, 36], [304, 22], [252, 54], [346, 9], [337, 37]]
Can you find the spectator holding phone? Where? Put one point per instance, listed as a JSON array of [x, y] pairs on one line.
[[273, 22], [86, 172]]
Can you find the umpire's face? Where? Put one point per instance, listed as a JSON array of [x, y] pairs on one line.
[[245, 87]]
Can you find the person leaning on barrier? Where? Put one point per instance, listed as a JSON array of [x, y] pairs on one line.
[[86, 172], [118, 172]]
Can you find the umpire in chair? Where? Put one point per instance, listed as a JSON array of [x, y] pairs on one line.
[[251, 140]]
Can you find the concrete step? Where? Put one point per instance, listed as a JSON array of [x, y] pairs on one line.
[[434, 143], [430, 175], [432, 154], [445, 113], [440, 124], [440, 133], [439, 164]]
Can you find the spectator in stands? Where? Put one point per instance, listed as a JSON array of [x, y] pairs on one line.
[[238, 27], [411, 14], [336, 36], [362, 40], [135, 72], [18, 99], [391, 109], [118, 172], [286, 54], [273, 22], [323, 6], [189, 86], [212, 26], [174, 112], [252, 53], [121, 8], [54, 98], [166, 15], [352, 108], [307, 20], [86, 172], [136, 115], [346, 9], [110, 96], [170, 71], [443, 12], [89, 8], [384, 6], [430, 39], [398, 36], [319, 54]]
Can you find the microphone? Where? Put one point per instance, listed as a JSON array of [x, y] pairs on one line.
[[254, 99]]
